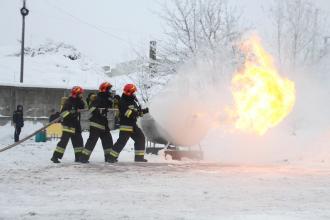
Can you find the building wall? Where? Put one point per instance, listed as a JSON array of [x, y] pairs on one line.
[[37, 102]]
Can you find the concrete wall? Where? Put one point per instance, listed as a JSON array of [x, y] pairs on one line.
[[37, 102]]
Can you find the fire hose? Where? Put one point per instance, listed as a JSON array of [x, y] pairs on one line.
[[41, 129]]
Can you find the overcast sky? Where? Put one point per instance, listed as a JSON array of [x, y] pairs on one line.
[[105, 30]]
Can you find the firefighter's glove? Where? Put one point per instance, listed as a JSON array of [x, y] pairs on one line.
[[145, 110], [74, 113]]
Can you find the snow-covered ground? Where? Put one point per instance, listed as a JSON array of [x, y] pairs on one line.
[[31, 187]]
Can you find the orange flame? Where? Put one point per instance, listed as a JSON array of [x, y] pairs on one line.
[[262, 98]]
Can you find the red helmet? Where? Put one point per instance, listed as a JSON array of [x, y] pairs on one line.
[[105, 87], [129, 89], [76, 90]]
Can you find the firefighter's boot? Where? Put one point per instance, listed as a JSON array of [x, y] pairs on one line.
[[140, 158], [55, 160], [77, 157], [83, 158], [111, 159], [106, 157]]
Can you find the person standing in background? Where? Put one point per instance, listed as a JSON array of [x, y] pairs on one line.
[[18, 121]]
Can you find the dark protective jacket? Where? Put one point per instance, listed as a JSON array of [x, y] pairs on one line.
[[54, 116], [71, 115], [90, 98], [129, 112], [99, 110], [18, 116]]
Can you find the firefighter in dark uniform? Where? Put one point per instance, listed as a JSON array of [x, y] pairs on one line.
[[99, 127], [90, 98], [18, 121], [116, 102], [70, 112], [130, 110]]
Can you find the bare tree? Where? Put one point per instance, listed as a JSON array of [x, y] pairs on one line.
[[298, 26], [194, 28], [278, 19], [144, 77], [199, 27]]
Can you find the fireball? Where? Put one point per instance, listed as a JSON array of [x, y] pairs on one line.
[[262, 98]]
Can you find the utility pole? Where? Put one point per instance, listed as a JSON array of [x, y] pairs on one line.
[[152, 57], [315, 30], [24, 12], [326, 44], [326, 40]]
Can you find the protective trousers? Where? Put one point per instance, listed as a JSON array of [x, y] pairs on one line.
[[94, 135], [139, 143], [17, 133], [76, 140]]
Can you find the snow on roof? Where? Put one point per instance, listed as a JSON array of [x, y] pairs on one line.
[[50, 65], [39, 85]]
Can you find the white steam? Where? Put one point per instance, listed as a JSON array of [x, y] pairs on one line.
[[192, 110]]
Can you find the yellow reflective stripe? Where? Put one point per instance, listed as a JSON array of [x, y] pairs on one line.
[[96, 125], [59, 150], [78, 149], [132, 107], [65, 113], [125, 128], [107, 151], [139, 152], [92, 109], [128, 113], [68, 129], [114, 153], [86, 152]]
